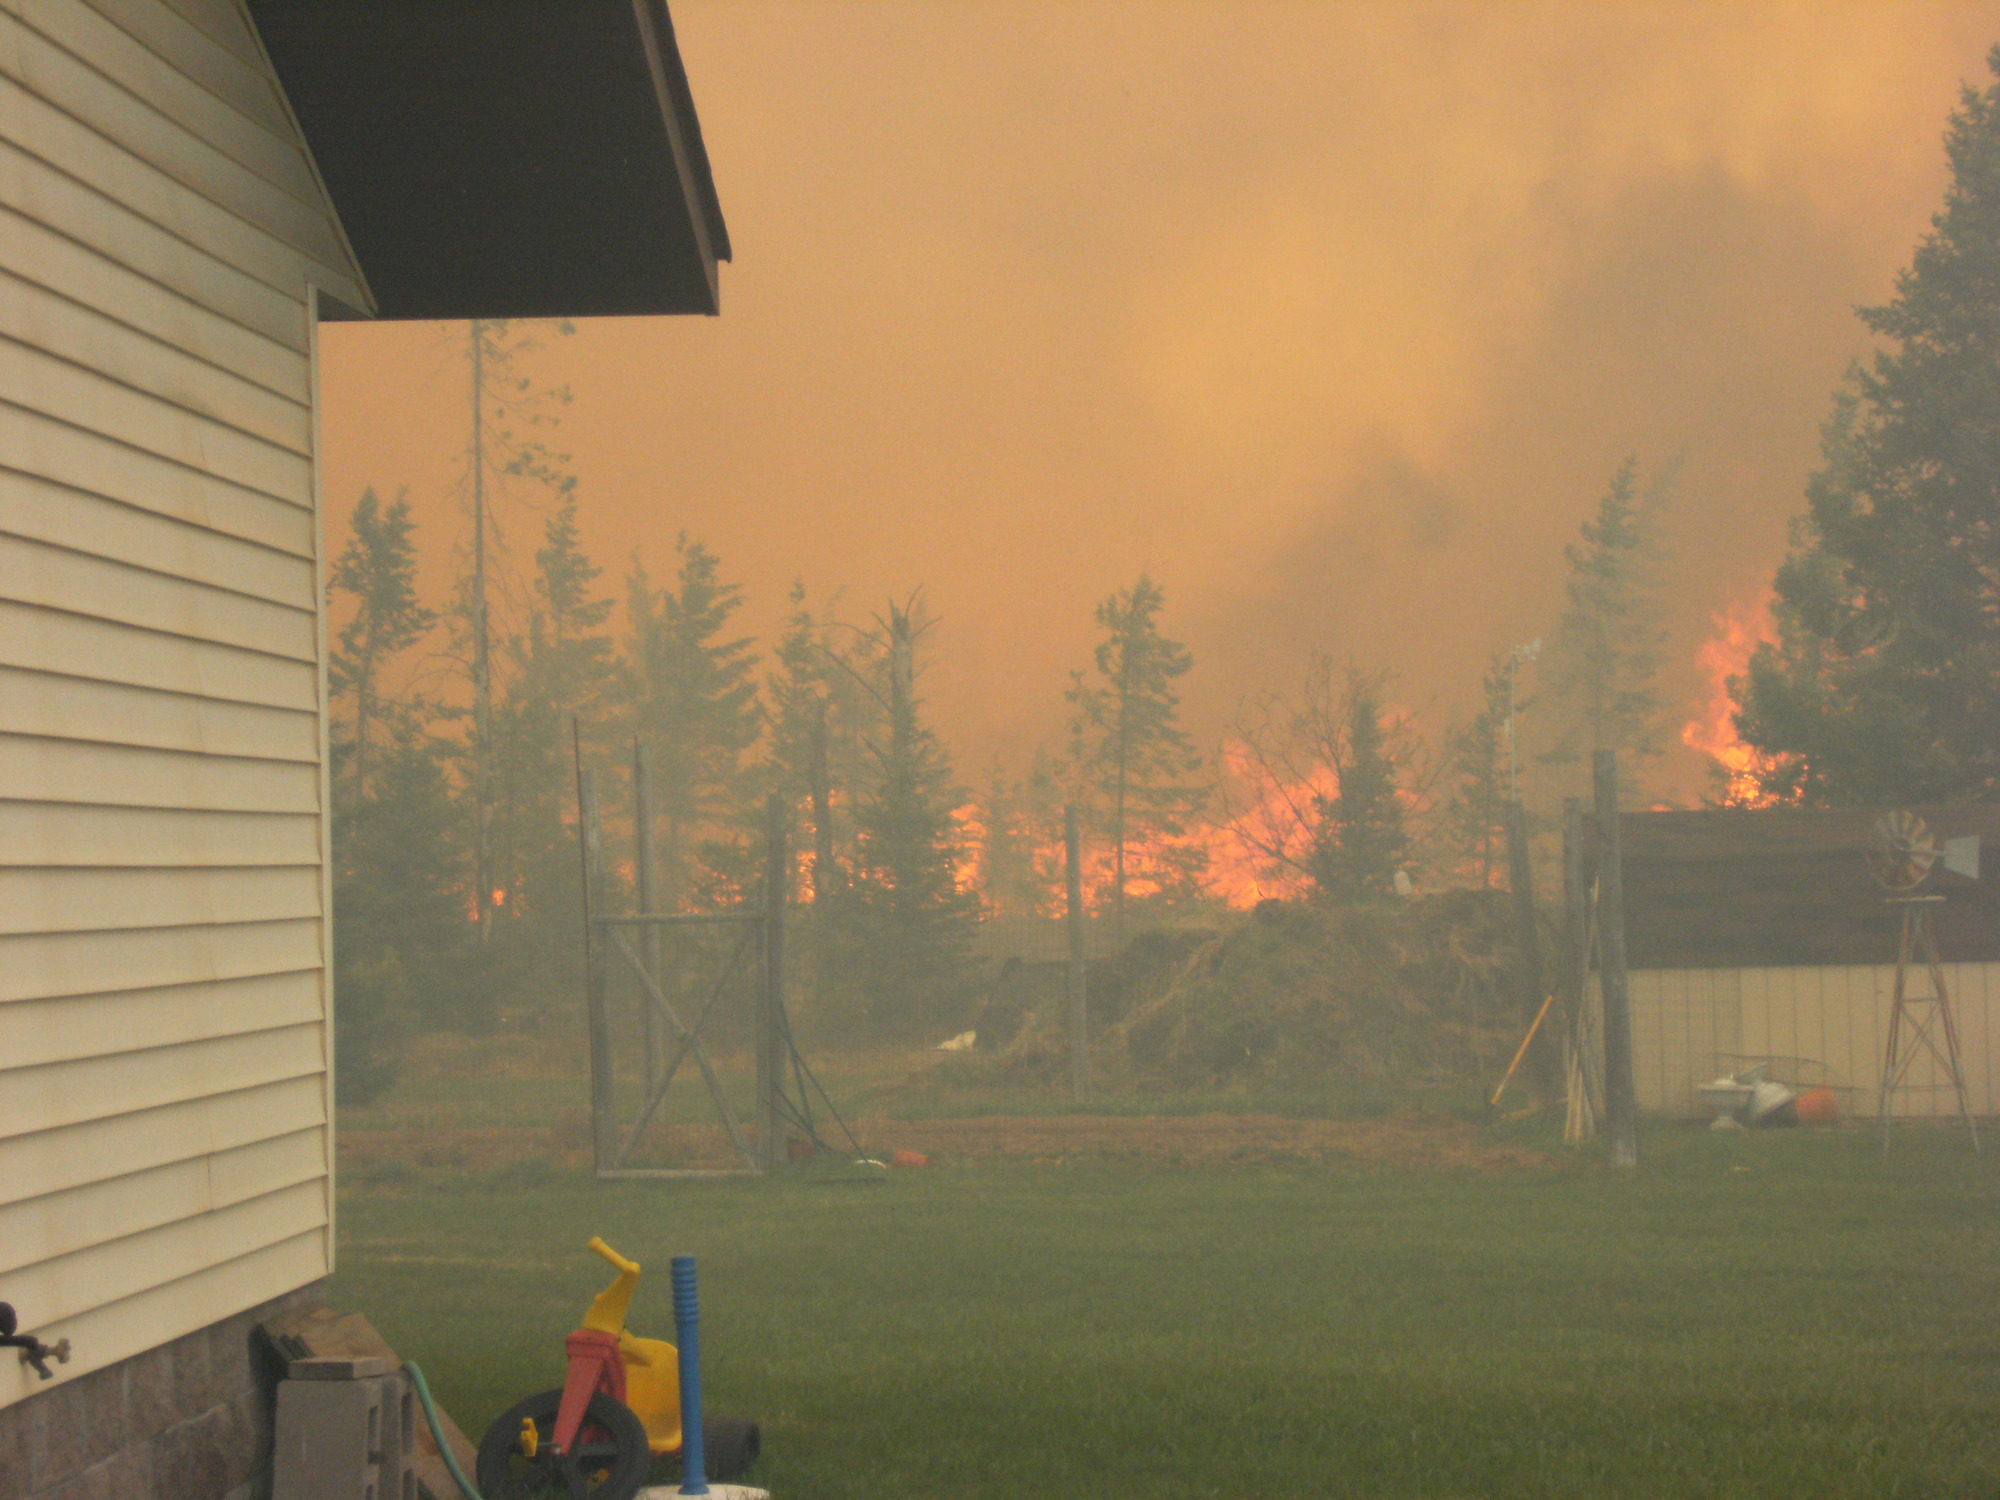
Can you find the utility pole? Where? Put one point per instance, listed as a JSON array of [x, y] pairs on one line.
[[482, 659]]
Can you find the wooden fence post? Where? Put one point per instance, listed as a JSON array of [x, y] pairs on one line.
[[1621, 1092], [597, 999], [1073, 976], [771, 1003], [1543, 1066], [648, 895]]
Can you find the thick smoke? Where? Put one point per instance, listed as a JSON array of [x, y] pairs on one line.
[[1337, 318]]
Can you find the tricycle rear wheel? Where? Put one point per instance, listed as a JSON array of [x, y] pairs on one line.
[[608, 1461]]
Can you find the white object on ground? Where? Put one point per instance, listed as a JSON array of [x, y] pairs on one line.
[[715, 1492], [1767, 1098], [965, 1041], [1726, 1097]]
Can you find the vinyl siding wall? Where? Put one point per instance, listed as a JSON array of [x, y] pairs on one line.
[[164, 1050], [1815, 1025]]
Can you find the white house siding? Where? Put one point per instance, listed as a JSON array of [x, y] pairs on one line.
[[164, 1119], [1815, 1024]]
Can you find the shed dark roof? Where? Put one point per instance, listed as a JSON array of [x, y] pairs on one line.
[[1731, 888], [506, 158]]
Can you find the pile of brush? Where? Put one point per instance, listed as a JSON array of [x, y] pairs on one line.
[[1420, 991]]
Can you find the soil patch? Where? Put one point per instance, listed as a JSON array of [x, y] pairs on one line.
[[1407, 1141]]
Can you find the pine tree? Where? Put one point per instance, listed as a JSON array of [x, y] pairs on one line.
[[1610, 641], [378, 568], [1127, 741], [1009, 831], [909, 924], [1362, 838], [1326, 785], [695, 701], [824, 710], [1884, 686], [400, 909], [561, 670], [1476, 818]]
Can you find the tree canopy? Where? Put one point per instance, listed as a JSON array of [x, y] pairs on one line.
[[1127, 741], [1884, 683]]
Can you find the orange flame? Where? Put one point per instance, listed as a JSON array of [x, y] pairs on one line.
[[1740, 630], [1260, 854]]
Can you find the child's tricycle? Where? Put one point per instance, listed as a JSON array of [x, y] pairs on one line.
[[597, 1434]]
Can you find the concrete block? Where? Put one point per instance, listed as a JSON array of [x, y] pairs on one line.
[[344, 1440]]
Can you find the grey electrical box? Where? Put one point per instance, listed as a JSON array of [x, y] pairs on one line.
[[346, 1430]]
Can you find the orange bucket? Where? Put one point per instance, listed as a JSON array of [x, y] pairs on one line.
[[909, 1159], [1817, 1107]]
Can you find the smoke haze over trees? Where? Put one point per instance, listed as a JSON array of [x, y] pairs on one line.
[[1364, 590]]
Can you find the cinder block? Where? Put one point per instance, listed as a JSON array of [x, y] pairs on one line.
[[356, 1367], [344, 1440]]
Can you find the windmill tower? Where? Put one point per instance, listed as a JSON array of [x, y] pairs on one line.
[[1900, 858]]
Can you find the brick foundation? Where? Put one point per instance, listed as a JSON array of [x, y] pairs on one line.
[[190, 1420]]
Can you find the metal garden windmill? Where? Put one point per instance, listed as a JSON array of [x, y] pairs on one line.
[[1900, 858]]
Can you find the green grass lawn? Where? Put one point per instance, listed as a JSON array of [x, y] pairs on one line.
[[1778, 1314]]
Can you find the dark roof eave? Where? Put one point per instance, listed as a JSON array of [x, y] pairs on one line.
[[506, 158]]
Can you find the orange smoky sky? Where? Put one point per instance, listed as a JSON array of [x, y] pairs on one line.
[[1337, 318]]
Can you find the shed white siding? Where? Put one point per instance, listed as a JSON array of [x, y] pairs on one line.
[[164, 1048], [1822, 1024]]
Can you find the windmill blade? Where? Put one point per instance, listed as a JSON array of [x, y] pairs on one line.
[[1902, 852]]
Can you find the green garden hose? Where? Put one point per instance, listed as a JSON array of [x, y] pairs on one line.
[[437, 1430]]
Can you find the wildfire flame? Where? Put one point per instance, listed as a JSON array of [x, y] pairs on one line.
[[1739, 631]]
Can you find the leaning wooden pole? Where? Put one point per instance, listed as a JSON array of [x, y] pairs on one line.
[[1073, 978], [597, 997], [771, 999], [1621, 1091]]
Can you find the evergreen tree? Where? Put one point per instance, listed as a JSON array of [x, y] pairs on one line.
[[1477, 755], [1610, 641], [401, 928], [1009, 831], [909, 923], [1361, 838], [824, 710], [562, 669], [1128, 744], [1325, 786], [694, 699], [378, 569], [1884, 686]]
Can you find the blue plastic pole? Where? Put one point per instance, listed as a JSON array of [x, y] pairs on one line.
[[687, 1323]]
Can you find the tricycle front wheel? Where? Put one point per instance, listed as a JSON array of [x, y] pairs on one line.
[[608, 1461]]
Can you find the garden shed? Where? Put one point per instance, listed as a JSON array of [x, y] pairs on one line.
[[1759, 935], [186, 188]]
